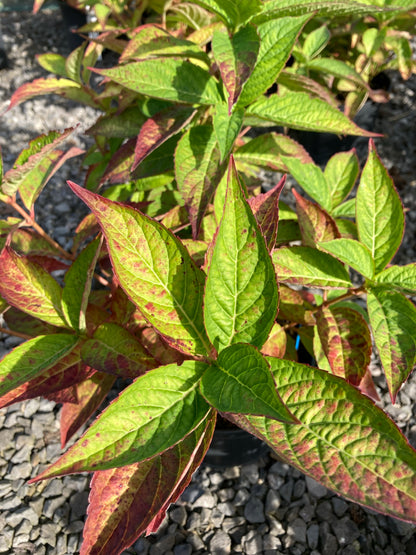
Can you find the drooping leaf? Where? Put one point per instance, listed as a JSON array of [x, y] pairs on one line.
[[78, 280], [265, 207], [393, 322], [241, 382], [345, 210], [310, 267], [337, 68], [315, 42], [351, 252], [380, 218], [114, 350], [275, 345], [90, 393], [28, 287], [298, 110], [341, 173], [277, 39], [266, 151], [241, 294], [151, 41], [158, 129], [153, 414], [236, 56], [227, 126], [302, 83], [31, 358], [346, 341], [344, 441], [167, 78], [314, 222], [62, 87], [311, 178], [155, 271], [402, 278], [125, 502], [198, 171], [52, 62]]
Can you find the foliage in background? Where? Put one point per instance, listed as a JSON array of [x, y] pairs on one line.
[[191, 284]]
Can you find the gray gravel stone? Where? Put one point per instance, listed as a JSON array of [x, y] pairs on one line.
[[346, 531], [206, 500], [254, 510], [182, 549], [6, 540], [315, 488], [162, 546], [272, 502], [220, 543]]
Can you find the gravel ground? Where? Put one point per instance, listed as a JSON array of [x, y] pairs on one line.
[[266, 507]]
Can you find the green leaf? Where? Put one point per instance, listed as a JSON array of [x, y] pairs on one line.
[[310, 267], [311, 178], [266, 151], [380, 218], [315, 42], [30, 359], [277, 39], [78, 280], [125, 125], [33, 167], [298, 110], [236, 57], [341, 173], [402, 278], [346, 341], [198, 171], [167, 78], [337, 68], [351, 252], [241, 382], [274, 9], [344, 441], [345, 210], [232, 12], [155, 270], [393, 321], [227, 127], [54, 63], [28, 287], [150, 41], [151, 415], [73, 63], [114, 350], [241, 294]]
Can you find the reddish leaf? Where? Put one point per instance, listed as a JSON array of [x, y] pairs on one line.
[[346, 341], [25, 241], [67, 395], [47, 263], [127, 501], [275, 345], [265, 207], [121, 306], [91, 393], [18, 321], [367, 386], [158, 129], [159, 349], [314, 222], [119, 168], [295, 307]]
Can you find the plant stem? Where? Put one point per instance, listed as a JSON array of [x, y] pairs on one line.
[[14, 333]]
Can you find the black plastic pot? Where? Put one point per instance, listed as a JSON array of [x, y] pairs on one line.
[[232, 447]]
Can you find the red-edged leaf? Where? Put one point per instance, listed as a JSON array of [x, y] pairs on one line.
[[343, 440], [266, 210], [160, 349], [127, 501], [28, 287], [346, 341], [28, 242], [236, 57], [155, 270], [32, 358], [116, 351], [87, 227], [63, 87], [294, 306], [18, 321], [67, 395], [68, 371], [275, 345], [158, 129], [119, 168], [314, 222], [91, 393]]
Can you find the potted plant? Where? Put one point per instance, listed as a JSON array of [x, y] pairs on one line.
[[204, 282]]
